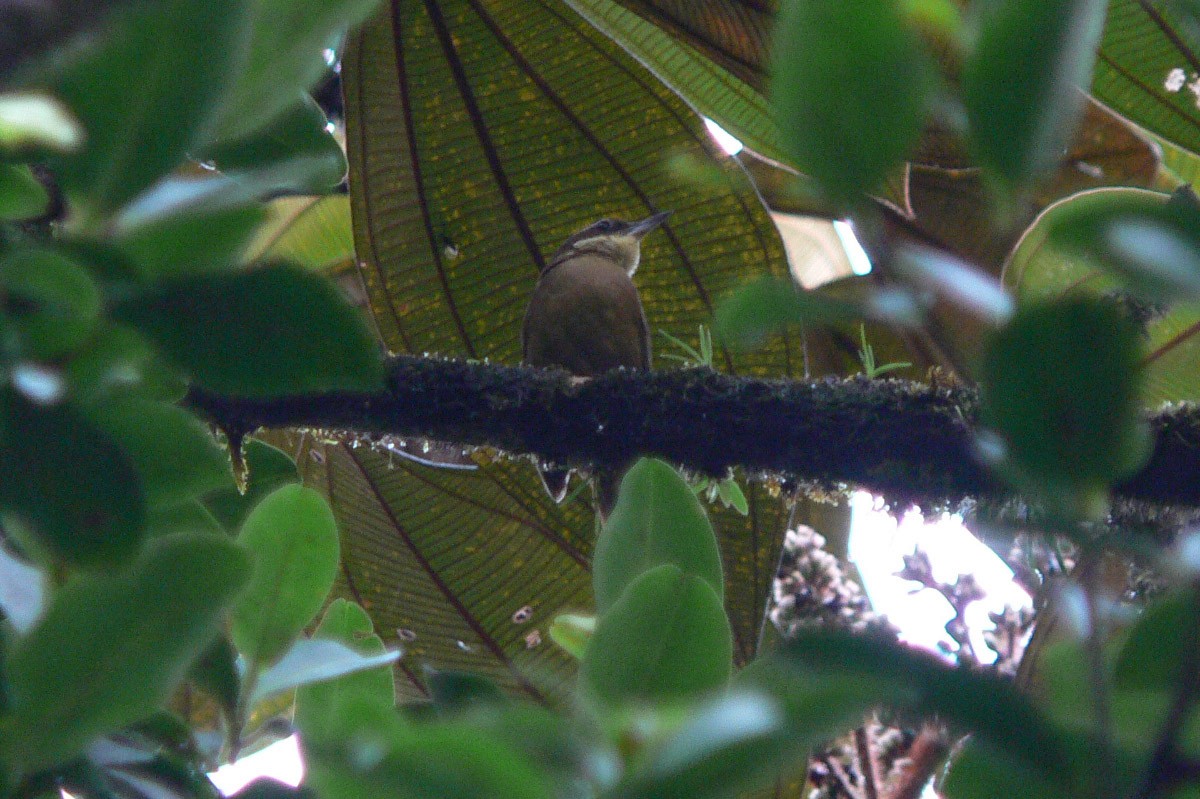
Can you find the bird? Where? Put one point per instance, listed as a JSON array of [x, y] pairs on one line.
[[585, 316]]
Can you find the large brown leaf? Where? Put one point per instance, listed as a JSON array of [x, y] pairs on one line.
[[480, 134]]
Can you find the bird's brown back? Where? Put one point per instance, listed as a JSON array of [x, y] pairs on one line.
[[585, 316]]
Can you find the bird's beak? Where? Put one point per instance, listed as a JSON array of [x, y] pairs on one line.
[[640, 229]]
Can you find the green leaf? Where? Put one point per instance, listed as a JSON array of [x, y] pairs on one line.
[[1151, 243], [657, 520], [1060, 387], [1155, 649], [1021, 83], [266, 332], [764, 306], [188, 242], [313, 233], [72, 492], [52, 303], [348, 624], [173, 451], [286, 59], [730, 745], [1041, 270], [848, 669], [849, 89], [1146, 70], [680, 62], [292, 537], [33, 123], [453, 691], [267, 469], [147, 94], [980, 772], [23, 593], [216, 672], [666, 637], [185, 517], [444, 760], [315, 660], [572, 631], [299, 132], [21, 195], [111, 647]]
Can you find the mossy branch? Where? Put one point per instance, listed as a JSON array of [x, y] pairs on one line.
[[906, 440]]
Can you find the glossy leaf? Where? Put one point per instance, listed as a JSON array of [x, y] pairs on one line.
[[74, 494], [292, 537], [665, 638], [21, 195], [657, 520], [312, 661], [1060, 386], [286, 57], [216, 672], [134, 137], [173, 452], [266, 332], [348, 624], [187, 242], [299, 132], [111, 647], [35, 123], [849, 89], [22, 591]]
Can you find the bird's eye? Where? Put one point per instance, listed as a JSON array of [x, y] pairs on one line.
[[605, 225]]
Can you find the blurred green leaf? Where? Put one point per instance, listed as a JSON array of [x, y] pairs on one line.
[[666, 637], [35, 123], [292, 537], [821, 668], [21, 195], [1155, 649], [981, 772], [850, 87], [1151, 244], [287, 43], [23, 594], [730, 745], [1041, 270], [267, 469], [454, 759], [173, 451], [147, 94], [216, 672], [1021, 83], [312, 661], [572, 631], [265, 332], [657, 520], [346, 623], [746, 316], [299, 132], [457, 690], [1060, 387], [111, 647], [72, 492], [189, 242], [52, 303]]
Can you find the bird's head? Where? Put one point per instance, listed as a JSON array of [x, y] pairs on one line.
[[615, 239]]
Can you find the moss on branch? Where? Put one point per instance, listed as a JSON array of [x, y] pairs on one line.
[[899, 438]]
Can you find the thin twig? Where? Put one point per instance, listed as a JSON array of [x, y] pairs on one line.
[[866, 763], [843, 779], [913, 772]]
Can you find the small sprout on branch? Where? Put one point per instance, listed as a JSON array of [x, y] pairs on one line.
[[866, 355]]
